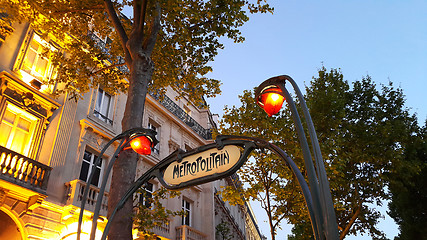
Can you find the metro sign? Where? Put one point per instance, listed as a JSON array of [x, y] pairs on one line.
[[202, 164]]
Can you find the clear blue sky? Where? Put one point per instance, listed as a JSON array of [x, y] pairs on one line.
[[386, 39]]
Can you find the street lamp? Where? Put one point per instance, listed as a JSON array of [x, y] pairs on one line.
[[270, 96], [140, 140]]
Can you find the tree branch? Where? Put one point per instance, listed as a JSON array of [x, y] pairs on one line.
[[119, 28], [141, 19], [150, 41], [350, 223], [136, 12], [108, 67]]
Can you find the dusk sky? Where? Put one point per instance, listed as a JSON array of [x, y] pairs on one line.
[[385, 39]]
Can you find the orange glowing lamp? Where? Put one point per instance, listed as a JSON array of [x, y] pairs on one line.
[[141, 145], [271, 100]]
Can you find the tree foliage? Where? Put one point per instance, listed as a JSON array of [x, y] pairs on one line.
[[409, 189], [154, 215], [181, 45], [361, 130], [163, 43]]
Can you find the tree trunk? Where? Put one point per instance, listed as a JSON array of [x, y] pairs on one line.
[[124, 169]]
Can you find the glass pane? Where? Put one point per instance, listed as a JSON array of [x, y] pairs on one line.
[[9, 117], [24, 124], [41, 66], [95, 178], [19, 141], [99, 100], [87, 156], [149, 187], [187, 220], [29, 60], [100, 162], [84, 171], [5, 133], [34, 45], [106, 105]]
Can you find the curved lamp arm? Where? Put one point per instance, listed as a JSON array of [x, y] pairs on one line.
[[126, 137], [330, 217]]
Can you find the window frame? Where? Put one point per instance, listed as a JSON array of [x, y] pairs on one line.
[[156, 127], [32, 140], [148, 194], [30, 74], [186, 218], [97, 110], [91, 163]]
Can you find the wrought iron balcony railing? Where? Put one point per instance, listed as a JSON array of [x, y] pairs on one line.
[[176, 110], [23, 171]]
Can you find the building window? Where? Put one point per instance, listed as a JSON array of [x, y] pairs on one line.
[[87, 164], [36, 66], [103, 106], [186, 207], [17, 129], [146, 197], [155, 127]]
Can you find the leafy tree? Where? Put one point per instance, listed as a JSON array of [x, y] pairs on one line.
[[164, 43], [361, 131], [409, 189]]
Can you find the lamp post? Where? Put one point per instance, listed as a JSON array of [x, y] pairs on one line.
[[141, 141], [270, 96]]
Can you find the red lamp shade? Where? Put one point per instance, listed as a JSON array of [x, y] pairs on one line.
[[271, 101], [141, 145]]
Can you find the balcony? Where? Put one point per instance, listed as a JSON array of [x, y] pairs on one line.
[[185, 232], [75, 190], [162, 230], [182, 115], [23, 171]]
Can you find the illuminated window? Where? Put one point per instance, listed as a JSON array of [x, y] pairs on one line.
[[35, 63], [186, 207], [155, 127], [87, 165], [17, 130], [103, 106]]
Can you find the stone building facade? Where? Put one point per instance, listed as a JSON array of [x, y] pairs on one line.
[[48, 146]]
